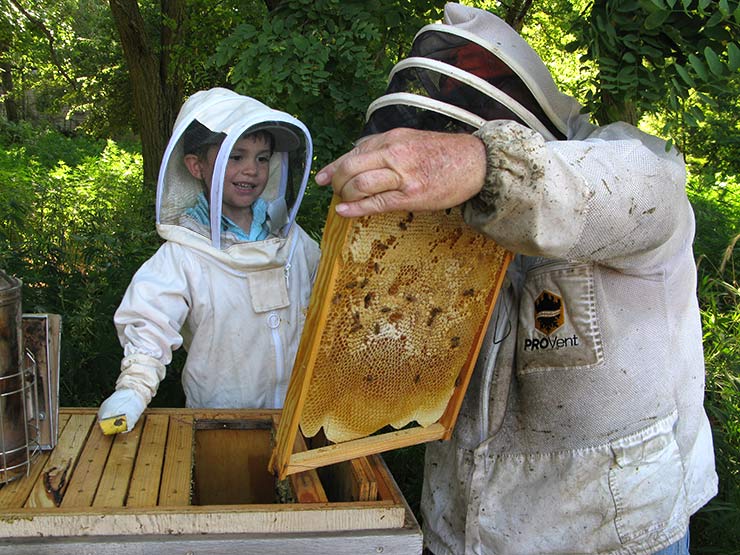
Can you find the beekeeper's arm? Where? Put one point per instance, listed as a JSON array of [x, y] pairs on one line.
[[616, 198], [148, 322]]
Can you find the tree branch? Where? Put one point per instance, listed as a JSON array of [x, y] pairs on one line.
[[50, 39], [516, 11]]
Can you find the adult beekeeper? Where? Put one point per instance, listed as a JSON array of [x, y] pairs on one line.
[[583, 429], [232, 281]]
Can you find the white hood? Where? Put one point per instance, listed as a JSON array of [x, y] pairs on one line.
[[228, 113], [468, 70]]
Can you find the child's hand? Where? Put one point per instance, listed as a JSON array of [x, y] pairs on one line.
[[124, 402]]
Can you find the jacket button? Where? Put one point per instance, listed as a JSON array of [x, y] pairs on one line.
[[273, 320]]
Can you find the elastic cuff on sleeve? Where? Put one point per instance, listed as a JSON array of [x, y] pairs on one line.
[[142, 373], [507, 144]]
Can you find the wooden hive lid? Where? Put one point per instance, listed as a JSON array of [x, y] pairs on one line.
[[395, 323]]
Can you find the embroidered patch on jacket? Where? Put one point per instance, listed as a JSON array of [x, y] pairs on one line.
[[549, 312]]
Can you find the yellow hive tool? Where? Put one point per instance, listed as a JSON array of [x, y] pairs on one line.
[[114, 424]]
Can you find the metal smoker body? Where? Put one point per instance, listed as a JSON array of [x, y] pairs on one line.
[[24, 412]]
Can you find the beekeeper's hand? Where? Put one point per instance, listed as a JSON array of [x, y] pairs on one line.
[[126, 402], [406, 169]]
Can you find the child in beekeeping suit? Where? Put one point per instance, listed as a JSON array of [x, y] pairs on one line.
[[233, 279]]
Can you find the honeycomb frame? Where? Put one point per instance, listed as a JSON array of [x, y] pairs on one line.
[[394, 326]]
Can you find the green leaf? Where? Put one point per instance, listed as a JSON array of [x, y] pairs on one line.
[[714, 20], [659, 4], [673, 101], [715, 65], [656, 19], [733, 56], [599, 22], [697, 112], [627, 6], [708, 100], [626, 74], [611, 32], [699, 67], [653, 53], [703, 4], [631, 40], [685, 75], [572, 47], [724, 7]]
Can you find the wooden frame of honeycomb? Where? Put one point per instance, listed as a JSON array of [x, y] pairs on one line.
[[395, 323]]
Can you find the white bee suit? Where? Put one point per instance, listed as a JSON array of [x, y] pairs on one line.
[[583, 429], [237, 307]]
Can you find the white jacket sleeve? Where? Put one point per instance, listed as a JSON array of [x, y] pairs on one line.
[[150, 317], [616, 198]]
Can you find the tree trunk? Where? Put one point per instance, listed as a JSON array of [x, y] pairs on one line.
[[156, 95], [516, 11], [612, 109], [6, 86]]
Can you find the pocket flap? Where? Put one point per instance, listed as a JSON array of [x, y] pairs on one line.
[[268, 289]]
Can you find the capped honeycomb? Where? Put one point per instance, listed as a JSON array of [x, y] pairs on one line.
[[406, 298]]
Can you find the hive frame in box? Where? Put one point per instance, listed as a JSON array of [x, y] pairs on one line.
[[335, 244]]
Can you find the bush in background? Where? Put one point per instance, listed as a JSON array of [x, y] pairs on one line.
[[716, 528], [76, 224]]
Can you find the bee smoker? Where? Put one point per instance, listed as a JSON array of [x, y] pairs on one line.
[[19, 425]]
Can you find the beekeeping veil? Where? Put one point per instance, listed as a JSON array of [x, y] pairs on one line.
[[223, 117], [471, 69]]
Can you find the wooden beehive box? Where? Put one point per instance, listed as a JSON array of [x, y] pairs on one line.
[[396, 321], [184, 475]]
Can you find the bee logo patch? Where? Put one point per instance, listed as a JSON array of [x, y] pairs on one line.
[[549, 312]]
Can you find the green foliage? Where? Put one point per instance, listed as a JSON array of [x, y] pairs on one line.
[[323, 62], [659, 53], [206, 24], [63, 67], [715, 197], [70, 60], [716, 207], [550, 36], [76, 223], [715, 141], [716, 528]]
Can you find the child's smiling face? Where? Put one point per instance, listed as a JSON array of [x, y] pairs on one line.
[[246, 175]]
